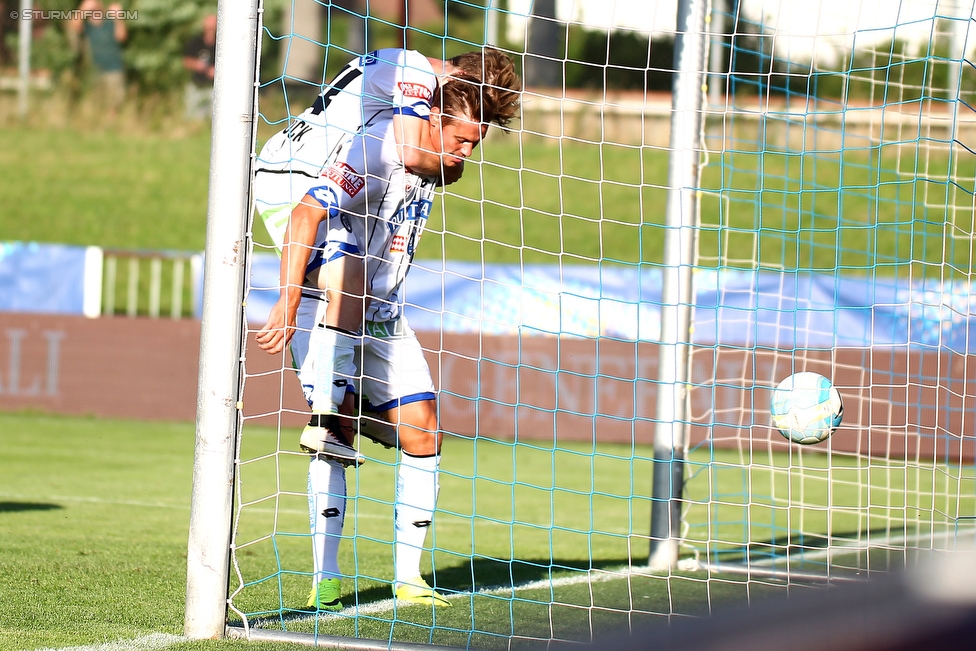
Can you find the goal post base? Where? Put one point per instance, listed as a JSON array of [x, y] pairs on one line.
[[664, 555], [330, 641]]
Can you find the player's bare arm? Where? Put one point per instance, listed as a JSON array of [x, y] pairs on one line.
[[343, 280], [295, 253]]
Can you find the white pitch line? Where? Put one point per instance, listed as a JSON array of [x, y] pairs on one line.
[[385, 605], [250, 509], [870, 543], [593, 576], [151, 642]]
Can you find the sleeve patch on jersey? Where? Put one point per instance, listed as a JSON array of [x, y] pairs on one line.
[[418, 91], [325, 196], [346, 178], [399, 244]]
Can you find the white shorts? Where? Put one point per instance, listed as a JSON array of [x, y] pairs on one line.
[[392, 368]]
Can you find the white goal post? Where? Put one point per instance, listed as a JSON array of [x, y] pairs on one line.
[[684, 169], [218, 391]]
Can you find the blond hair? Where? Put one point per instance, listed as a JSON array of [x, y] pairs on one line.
[[501, 86], [460, 99]]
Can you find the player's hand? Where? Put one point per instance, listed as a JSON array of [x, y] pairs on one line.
[[278, 331]]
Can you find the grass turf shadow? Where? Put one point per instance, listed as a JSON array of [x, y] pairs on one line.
[[16, 507], [490, 574]]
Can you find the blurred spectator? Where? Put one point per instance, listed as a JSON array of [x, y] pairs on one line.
[[198, 58], [105, 35]]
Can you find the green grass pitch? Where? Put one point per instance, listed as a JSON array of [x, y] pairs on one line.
[[94, 520], [94, 523], [527, 202], [94, 512]]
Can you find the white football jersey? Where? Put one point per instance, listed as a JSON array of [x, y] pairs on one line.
[[370, 88], [376, 85], [376, 208]]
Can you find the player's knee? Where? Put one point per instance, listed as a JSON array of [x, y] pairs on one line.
[[421, 437]]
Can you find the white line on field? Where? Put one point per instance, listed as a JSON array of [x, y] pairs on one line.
[[828, 553], [591, 577], [870, 543], [151, 642], [252, 510], [385, 605]]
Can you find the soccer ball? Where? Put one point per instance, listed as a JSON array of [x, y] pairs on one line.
[[806, 408]]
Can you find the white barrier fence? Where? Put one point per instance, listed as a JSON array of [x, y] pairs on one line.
[[140, 282]]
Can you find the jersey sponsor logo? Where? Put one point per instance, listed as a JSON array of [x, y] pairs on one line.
[[411, 89], [399, 244], [346, 178], [419, 209]]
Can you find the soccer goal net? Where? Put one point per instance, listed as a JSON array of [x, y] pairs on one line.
[[698, 200]]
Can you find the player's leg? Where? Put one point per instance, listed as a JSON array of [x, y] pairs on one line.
[[416, 497], [327, 373], [327, 511], [397, 380], [330, 369], [343, 279], [326, 483]]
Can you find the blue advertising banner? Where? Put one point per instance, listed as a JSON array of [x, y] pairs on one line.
[[778, 310], [781, 310], [42, 278]]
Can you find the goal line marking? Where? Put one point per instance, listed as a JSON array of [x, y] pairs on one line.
[[386, 605], [151, 642]]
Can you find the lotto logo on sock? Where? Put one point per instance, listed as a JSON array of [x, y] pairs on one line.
[[331, 512]]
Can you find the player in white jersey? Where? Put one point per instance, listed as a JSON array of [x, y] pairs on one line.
[[379, 84], [367, 206]]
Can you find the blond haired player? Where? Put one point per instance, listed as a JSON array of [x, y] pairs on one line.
[[390, 84], [369, 209], [378, 85]]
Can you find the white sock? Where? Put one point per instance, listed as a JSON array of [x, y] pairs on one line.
[[330, 363], [416, 497], [327, 510]]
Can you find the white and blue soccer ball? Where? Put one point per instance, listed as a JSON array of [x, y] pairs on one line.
[[806, 408]]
